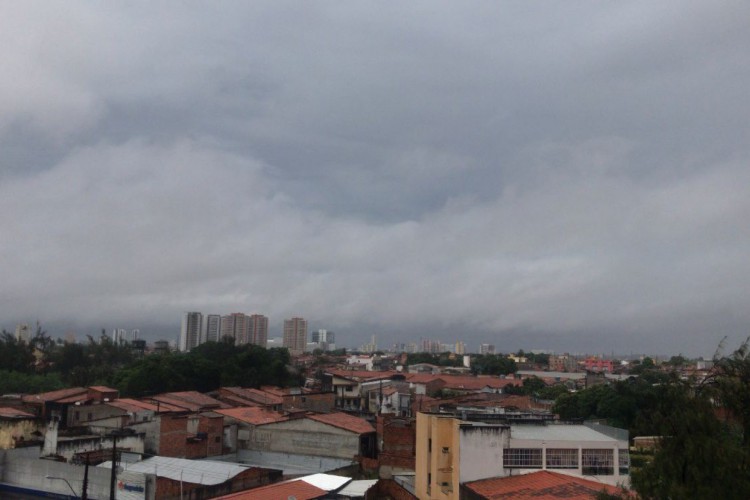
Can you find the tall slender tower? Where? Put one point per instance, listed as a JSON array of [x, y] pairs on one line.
[[190, 334], [212, 330], [295, 335], [258, 330], [235, 325]]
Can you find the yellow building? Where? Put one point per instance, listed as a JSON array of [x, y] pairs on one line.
[[451, 451]]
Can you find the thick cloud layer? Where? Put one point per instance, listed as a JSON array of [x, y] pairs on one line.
[[541, 177]]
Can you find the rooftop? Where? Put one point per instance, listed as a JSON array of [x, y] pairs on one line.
[[254, 415], [206, 472], [558, 432], [542, 485], [344, 421]]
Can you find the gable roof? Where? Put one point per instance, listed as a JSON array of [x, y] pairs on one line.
[[541, 485], [303, 488], [253, 395], [7, 412], [46, 397], [190, 400], [254, 415], [344, 421]]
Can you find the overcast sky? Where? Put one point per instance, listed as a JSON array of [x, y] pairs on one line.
[[570, 176]]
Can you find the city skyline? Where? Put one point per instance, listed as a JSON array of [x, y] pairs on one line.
[[573, 177]]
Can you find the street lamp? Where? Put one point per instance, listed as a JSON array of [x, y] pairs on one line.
[[75, 495]]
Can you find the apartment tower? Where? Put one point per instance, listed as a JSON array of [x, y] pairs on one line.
[[295, 335], [190, 334]]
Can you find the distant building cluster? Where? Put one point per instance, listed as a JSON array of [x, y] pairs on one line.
[[244, 329], [198, 328]]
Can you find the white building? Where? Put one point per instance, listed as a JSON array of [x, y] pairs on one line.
[[190, 333]]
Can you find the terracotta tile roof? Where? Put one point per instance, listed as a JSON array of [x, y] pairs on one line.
[[75, 398], [254, 415], [421, 378], [54, 395], [102, 388], [190, 400], [6, 412], [237, 401], [254, 395], [298, 489], [344, 421], [477, 383], [542, 485], [361, 374], [131, 405]]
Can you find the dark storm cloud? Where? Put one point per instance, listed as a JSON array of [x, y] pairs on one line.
[[568, 176]]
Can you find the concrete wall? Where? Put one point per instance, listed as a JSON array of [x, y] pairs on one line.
[[18, 470], [14, 432], [306, 437], [67, 448], [481, 451]]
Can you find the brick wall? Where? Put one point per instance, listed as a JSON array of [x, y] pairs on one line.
[[388, 488]]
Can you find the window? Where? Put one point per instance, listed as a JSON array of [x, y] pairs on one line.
[[561, 458], [624, 459], [429, 446], [598, 462], [446, 449], [524, 458]]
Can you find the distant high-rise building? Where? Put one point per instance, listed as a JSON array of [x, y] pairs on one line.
[[135, 334], [235, 325], [119, 335], [258, 329], [486, 349], [460, 348], [295, 335], [323, 339], [23, 332], [212, 328], [190, 334]]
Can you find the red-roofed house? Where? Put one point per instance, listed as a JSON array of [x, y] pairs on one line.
[[542, 485]]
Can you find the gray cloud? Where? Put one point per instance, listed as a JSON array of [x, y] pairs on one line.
[[572, 178]]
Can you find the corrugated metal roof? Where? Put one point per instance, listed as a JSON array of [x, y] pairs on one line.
[[327, 482], [557, 432], [357, 488], [206, 472]]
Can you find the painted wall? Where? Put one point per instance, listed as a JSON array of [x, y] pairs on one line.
[[14, 432], [481, 454], [306, 437]]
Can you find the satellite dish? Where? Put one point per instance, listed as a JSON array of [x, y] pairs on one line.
[[291, 497]]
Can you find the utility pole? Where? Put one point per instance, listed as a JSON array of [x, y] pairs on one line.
[[85, 487], [113, 476]]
